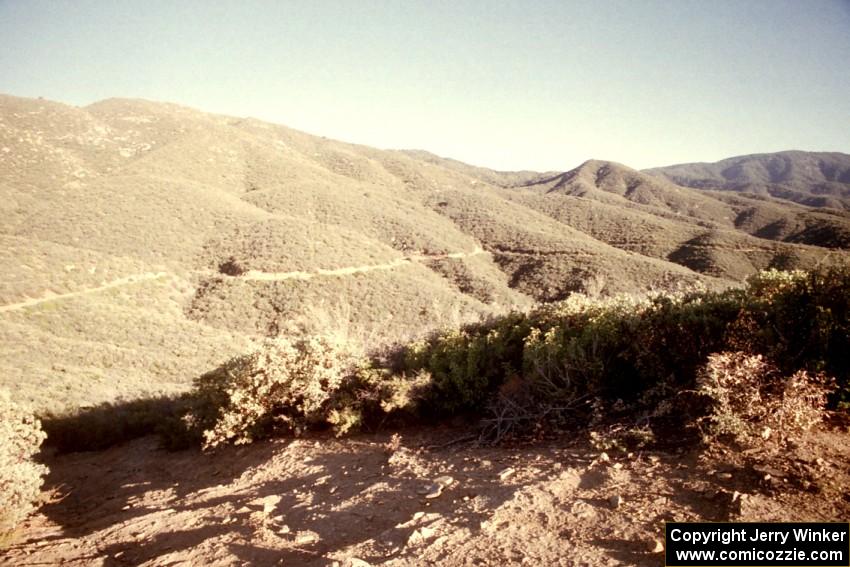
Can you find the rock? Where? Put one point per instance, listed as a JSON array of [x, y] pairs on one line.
[[421, 535], [306, 538], [355, 562], [724, 475], [604, 458], [432, 490], [615, 501], [507, 473], [444, 481], [270, 503], [654, 546], [583, 510], [769, 471]]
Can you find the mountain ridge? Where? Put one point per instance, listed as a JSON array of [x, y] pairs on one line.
[[817, 179], [96, 194]]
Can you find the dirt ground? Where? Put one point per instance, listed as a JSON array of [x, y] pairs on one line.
[[427, 500]]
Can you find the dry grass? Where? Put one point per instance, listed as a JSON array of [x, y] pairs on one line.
[[126, 187]]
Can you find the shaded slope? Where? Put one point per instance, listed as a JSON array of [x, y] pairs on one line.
[[614, 183], [721, 252], [816, 179]]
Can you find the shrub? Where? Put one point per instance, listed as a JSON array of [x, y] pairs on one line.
[[749, 399], [799, 320], [20, 477], [282, 385], [627, 355], [466, 366]]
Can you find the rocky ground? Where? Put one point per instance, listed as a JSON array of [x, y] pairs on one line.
[[425, 497]]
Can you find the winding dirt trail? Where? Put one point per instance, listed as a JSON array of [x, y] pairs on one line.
[[49, 296], [256, 275], [253, 275]]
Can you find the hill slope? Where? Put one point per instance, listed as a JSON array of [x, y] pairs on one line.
[[816, 179], [150, 242]]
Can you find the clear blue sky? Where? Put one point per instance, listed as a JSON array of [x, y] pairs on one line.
[[525, 84]]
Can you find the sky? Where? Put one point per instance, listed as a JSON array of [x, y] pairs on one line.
[[531, 84]]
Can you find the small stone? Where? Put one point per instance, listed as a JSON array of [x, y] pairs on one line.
[[270, 503], [430, 491], [604, 458], [505, 474], [421, 535], [306, 538], [724, 475], [615, 501], [444, 481], [618, 466], [355, 562], [655, 546]]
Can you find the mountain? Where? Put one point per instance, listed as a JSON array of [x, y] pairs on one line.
[[149, 242], [815, 179]]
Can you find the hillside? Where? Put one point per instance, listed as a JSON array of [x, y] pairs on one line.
[[167, 271], [816, 179], [152, 242]]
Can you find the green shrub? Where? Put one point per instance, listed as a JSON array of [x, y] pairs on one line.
[[800, 320], [20, 476], [466, 365], [627, 355], [282, 385]]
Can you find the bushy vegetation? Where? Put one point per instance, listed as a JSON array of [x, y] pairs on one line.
[[749, 399], [20, 476], [567, 363], [654, 360], [282, 384]]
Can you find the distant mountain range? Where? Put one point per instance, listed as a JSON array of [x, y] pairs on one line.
[[815, 179], [147, 242]]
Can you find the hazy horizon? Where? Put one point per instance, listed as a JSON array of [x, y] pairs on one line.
[[542, 86]]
